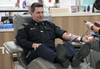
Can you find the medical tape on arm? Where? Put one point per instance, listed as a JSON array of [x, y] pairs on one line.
[[79, 38], [70, 35]]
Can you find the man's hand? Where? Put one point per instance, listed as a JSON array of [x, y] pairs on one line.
[[88, 38], [35, 45], [89, 25]]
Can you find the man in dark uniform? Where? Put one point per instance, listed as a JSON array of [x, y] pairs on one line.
[[37, 38]]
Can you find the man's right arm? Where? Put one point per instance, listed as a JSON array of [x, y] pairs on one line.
[[22, 38], [35, 45]]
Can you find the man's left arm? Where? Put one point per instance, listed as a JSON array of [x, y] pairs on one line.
[[60, 33], [68, 36]]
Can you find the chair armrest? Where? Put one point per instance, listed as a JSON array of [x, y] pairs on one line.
[[12, 48], [75, 44]]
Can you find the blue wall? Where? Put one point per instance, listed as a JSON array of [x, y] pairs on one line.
[[87, 2]]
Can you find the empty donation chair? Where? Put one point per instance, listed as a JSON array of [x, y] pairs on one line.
[[95, 53], [38, 63]]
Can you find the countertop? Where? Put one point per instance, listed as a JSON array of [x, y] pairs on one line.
[[6, 30], [60, 15], [76, 14]]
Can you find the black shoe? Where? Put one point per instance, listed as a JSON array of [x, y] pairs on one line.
[[61, 54], [81, 54]]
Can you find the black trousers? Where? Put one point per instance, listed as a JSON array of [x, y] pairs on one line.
[[47, 53]]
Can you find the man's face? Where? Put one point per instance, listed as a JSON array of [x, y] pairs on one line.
[[38, 14]]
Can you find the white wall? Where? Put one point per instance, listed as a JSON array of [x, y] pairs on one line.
[[12, 2], [8, 3], [46, 2]]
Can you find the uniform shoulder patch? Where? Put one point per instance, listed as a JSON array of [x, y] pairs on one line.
[[21, 27], [26, 23]]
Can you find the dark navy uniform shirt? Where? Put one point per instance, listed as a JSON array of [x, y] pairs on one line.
[[29, 33]]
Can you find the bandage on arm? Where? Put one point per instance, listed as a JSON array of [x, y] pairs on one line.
[[79, 38], [70, 35], [89, 38]]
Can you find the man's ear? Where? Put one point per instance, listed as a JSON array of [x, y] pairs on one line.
[[30, 13]]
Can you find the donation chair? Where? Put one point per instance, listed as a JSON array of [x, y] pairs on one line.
[[95, 52], [38, 63]]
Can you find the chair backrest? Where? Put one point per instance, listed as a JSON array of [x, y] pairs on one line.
[[18, 20]]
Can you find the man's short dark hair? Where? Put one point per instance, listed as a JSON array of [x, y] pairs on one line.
[[56, 1], [32, 7]]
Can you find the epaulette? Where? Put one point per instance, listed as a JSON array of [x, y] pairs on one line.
[[49, 21], [26, 23]]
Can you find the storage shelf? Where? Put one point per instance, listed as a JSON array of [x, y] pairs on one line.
[[13, 10]]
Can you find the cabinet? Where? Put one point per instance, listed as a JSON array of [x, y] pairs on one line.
[[4, 56]]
